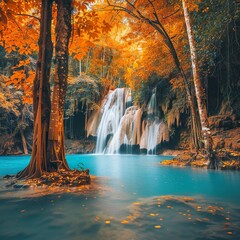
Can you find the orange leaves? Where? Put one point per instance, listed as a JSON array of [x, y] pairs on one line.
[[79, 56], [79, 47], [22, 80], [89, 27], [192, 5], [87, 23], [17, 78], [3, 18], [106, 27], [7, 8], [10, 4], [18, 30]]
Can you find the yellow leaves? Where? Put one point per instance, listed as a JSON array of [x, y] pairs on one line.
[[135, 64], [153, 214], [205, 10], [124, 221]]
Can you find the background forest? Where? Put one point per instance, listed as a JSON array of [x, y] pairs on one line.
[[116, 44]]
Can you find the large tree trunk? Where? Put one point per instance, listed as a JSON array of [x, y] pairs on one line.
[[199, 91], [56, 153], [41, 99]]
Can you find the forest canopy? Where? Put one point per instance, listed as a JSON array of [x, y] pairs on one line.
[[141, 45]]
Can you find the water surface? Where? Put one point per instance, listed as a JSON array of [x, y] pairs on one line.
[[140, 199]]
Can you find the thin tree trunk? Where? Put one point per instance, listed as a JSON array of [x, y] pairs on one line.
[[199, 91], [56, 152], [41, 97], [88, 60], [24, 142], [80, 67], [196, 133]]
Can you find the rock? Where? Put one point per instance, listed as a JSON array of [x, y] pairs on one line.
[[8, 176], [10, 184], [75, 183], [233, 117], [226, 123], [21, 186]]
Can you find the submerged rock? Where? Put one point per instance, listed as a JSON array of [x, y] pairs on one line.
[[8, 176], [21, 186]]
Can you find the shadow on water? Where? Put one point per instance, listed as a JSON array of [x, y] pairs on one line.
[[132, 197]]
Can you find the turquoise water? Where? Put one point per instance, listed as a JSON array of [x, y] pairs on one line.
[[130, 198]]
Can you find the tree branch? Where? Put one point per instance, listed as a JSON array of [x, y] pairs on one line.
[[172, 13], [28, 15], [120, 8]]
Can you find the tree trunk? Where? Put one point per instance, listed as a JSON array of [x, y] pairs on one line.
[[56, 153], [196, 133], [88, 59], [41, 97], [24, 142], [199, 91]]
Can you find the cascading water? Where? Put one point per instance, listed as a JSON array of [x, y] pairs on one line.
[[128, 132], [154, 131], [121, 124], [112, 111]]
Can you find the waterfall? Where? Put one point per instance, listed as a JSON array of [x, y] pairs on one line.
[[155, 131], [152, 108], [128, 132], [118, 124], [112, 112]]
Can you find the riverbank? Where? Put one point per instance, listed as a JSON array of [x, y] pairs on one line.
[[227, 150]]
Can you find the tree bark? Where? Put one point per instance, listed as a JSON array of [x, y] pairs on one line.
[[24, 142], [41, 97], [56, 152], [199, 91]]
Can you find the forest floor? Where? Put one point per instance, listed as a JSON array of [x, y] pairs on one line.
[[226, 147], [48, 180]]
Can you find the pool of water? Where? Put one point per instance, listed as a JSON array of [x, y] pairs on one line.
[[137, 199]]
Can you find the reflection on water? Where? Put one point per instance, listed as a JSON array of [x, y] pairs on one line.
[[125, 202]]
